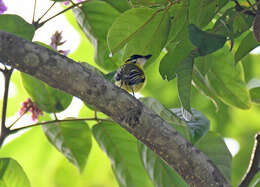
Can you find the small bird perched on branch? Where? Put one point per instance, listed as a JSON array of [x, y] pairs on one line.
[[130, 76]]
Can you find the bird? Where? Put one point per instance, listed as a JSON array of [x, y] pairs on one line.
[[130, 76]]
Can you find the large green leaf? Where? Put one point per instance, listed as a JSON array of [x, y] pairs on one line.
[[16, 25], [184, 77], [178, 50], [246, 45], [121, 147], [228, 80], [201, 12], [72, 139], [141, 30], [12, 174], [192, 130], [233, 23], [206, 42], [202, 84], [198, 126], [215, 148], [160, 173], [95, 18], [46, 98], [254, 90], [121, 5], [148, 2]]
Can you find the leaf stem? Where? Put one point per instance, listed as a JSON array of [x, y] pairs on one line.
[[61, 12], [36, 24], [253, 167], [58, 121], [34, 9], [4, 130]]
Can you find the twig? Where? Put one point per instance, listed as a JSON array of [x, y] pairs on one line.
[[58, 121], [4, 130], [61, 12], [253, 167], [34, 9]]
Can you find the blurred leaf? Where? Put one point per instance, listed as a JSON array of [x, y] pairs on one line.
[[178, 51], [254, 90], [110, 76], [246, 45], [184, 77], [141, 30], [206, 42], [160, 173], [217, 152], [202, 84], [72, 139], [46, 98], [228, 80], [121, 147], [201, 12], [179, 18], [170, 117], [59, 0], [121, 5], [12, 174], [95, 18], [235, 21], [257, 183], [16, 25], [148, 2], [198, 126]]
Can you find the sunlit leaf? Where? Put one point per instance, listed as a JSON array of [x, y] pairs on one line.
[[254, 90], [141, 30], [215, 148], [160, 173], [12, 174], [228, 80], [95, 18], [201, 12], [246, 45], [72, 139], [206, 42], [184, 77], [121, 5], [121, 147], [16, 25], [148, 2], [46, 98]]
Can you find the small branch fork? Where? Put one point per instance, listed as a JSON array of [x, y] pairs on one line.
[[253, 167]]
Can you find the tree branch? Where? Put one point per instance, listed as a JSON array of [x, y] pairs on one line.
[[83, 81], [253, 167]]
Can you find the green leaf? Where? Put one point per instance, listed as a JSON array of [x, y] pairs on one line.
[[16, 25], [121, 5], [184, 77], [46, 98], [95, 18], [246, 45], [201, 12], [233, 22], [254, 90], [72, 139], [215, 148], [198, 126], [206, 42], [178, 51], [202, 84], [149, 2], [121, 147], [110, 76], [179, 18], [141, 30], [12, 174], [160, 173], [166, 114], [228, 80]]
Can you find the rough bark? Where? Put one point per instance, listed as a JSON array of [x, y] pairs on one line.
[[83, 81]]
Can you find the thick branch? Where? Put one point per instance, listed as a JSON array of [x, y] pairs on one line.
[[253, 167], [83, 81]]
